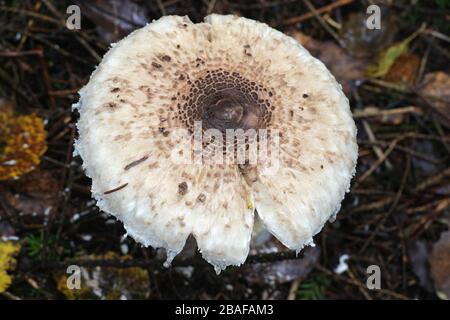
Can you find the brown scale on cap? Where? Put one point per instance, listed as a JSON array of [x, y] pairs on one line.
[[224, 100]]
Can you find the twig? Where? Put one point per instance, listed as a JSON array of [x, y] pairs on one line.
[[52, 46], [46, 78], [12, 54], [423, 64], [323, 23], [359, 284], [44, 68], [23, 40], [433, 180], [378, 162], [427, 220], [10, 296], [437, 35], [29, 14], [407, 150], [158, 264], [161, 7], [64, 93], [362, 288], [78, 36], [376, 149], [324, 9], [293, 289], [369, 112], [66, 182], [392, 208], [4, 76], [211, 5], [373, 205]]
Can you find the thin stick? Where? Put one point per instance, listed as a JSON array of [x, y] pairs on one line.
[[378, 162], [376, 149], [327, 8], [293, 290], [433, 180], [323, 23], [392, 208], [366, 113]]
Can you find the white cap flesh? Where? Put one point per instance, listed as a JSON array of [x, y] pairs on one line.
[[162, 78]]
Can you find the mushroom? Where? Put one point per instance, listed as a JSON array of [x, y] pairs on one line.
[[228, 73]]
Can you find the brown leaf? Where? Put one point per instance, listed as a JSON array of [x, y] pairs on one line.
[[114, 19], [428, 148], [440, 266], [280, 271], [386, 59], [404, 70], [361, 41], [35, 195], [6, 230], [418, 256], [344, 67], [435, 89]]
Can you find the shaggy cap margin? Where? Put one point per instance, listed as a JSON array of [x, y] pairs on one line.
[[165, 76]]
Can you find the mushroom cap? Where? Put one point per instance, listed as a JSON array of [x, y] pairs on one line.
[[228, 73]]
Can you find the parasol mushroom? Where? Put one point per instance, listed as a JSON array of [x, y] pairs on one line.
[[228, 73]]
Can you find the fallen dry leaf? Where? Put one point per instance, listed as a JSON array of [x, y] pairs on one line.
[[6, 230], [404, 70], [386, 59], [343, 66], [440, 266], [418, 256], [36, 194], [361, 41], [280, 271], [114, 19], [393, 116], [435, 89], [426, 167]]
